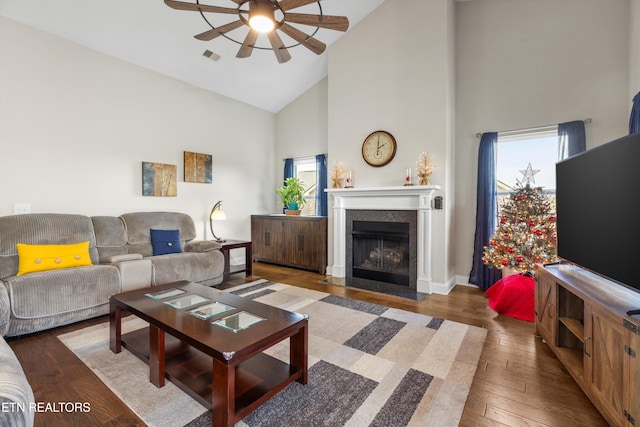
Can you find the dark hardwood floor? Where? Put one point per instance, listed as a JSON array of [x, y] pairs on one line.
[[519, 381]]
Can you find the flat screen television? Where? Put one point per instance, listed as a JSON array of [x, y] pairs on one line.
[[598, 210]]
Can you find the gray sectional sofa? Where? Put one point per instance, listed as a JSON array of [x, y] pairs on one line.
[[122, 258]]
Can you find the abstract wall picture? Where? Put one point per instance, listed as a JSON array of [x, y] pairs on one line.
[[159, 179], [197, 167]]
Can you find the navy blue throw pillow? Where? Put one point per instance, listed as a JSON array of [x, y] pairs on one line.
[[165, 241]]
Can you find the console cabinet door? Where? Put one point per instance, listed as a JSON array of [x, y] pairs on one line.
[[267, 235], [545, 307], [632, 375], [605, 361]]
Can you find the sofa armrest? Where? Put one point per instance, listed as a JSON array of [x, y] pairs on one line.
[[5, 309], [16, 395], [201, 246], [136, 272], [119, 258]]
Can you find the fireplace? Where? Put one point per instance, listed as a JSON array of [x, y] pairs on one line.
[[382, 246], [384, 204], [381, 251]]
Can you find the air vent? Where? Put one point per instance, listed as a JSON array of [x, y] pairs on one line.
[[212, 56]]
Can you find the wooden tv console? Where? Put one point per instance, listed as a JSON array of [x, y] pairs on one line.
[[583, 318]]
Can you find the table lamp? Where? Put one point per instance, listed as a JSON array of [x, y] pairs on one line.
[[217, 214]]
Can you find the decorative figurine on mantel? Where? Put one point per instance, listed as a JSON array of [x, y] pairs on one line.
[[425, 168], [407, 178], [337, 175], [349, 179]]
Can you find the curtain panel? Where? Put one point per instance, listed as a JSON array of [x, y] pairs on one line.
[[288, 169], [571, 138], [481, 274], [321, 185], [634, 121]]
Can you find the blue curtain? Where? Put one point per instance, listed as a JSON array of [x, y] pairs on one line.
[[288, 168], [572, 139], [634, 121], [321, 185], [486, 211]]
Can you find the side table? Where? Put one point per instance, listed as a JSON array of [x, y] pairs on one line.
[[229, 244]]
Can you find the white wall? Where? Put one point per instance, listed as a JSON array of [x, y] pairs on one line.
[[394, 71], [522, 64], [75, 126], [301, 129], [634, 50]]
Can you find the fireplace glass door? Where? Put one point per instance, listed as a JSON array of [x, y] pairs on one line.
[[381, 251]]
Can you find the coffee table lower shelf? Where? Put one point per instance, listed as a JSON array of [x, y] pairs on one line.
[[257, 379]]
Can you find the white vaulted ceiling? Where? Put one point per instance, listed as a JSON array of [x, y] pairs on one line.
[[150, 34]]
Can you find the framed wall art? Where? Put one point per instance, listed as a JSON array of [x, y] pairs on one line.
[[197, 167], [159, 179]]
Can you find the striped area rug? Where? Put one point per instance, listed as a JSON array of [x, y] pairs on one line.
[[369, 365]]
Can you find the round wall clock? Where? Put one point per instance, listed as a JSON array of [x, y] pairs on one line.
[[379, 148]]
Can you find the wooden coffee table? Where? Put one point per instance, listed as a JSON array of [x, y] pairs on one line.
[[222, 367]]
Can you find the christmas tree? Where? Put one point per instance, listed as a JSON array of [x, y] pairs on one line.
[[526, 233]]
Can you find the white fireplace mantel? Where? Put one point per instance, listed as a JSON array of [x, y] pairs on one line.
[[417, 198]]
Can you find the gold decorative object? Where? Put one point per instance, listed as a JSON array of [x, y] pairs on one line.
[[337, 175], [425, 168]]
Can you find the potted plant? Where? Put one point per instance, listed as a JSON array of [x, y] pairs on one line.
[[292, 195]]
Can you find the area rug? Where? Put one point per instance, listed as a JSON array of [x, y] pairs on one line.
[[369, 365]]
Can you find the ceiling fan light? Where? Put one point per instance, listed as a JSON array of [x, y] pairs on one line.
[[261, 17]]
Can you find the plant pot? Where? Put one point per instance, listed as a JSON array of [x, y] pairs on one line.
[[292, 211], [293, 206]]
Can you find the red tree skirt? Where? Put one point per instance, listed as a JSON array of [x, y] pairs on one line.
[[512, 296]]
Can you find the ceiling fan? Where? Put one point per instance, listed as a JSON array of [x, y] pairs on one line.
[[267, 17]]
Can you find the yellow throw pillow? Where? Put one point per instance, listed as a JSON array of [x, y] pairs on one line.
[[32, 258]]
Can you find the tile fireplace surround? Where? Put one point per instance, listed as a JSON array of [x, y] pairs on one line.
[[415, 198]]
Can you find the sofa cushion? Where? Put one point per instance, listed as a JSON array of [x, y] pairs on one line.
[[33, 258], [41, 229], [111, 237], [165, 242], [49, 293], [139, 224], [191, 266]]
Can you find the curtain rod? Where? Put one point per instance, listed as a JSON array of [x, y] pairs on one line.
[[478, 135], [303, 157]]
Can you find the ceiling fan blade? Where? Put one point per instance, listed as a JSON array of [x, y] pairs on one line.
[[248, 44], [338, 23], [282, 54], [216, 32], [180, 5], [292, 4], [314, 45]]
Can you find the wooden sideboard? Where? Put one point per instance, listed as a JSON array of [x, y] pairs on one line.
[[292, 240], [583, 318]]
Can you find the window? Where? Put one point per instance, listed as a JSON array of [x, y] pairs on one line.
[[305, 170], [519, 149]]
